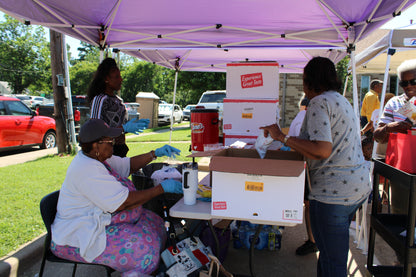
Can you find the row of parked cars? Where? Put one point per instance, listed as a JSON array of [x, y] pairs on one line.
[[24, 123], [32, 102], [209, 100]]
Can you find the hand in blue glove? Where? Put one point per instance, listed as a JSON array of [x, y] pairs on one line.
[[145, 120], [135, 125], [285, 148], [172, 186], [168, 151]]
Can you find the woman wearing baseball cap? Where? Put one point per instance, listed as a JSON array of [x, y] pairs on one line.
[[100, 218]]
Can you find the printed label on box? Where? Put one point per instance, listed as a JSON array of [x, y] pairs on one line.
[[290, 214], [254, 186], [247, 115], [219, 205], [252, 80], [228, 126]]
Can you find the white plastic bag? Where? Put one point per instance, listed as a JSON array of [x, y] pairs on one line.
[[262, 143], [166, 172]]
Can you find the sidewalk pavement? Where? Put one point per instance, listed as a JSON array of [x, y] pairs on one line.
[[26, 156]]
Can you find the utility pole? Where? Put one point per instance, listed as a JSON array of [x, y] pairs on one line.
[[58, 73]]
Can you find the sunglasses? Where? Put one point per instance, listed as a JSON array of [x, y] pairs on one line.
[[404, 84], [112, 142]]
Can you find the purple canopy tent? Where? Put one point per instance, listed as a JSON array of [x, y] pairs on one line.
[[162, 24], [133, 24]]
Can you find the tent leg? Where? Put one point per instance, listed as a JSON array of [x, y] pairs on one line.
[[345, 85], [383, 94], [173, 107], [69, 103], [355, 91]]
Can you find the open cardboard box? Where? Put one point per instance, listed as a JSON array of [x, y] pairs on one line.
[[266, 191]]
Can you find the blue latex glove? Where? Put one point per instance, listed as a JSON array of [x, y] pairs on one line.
[[145, 121], [285, 148], [168, 151], [136, 126], [172, 186]]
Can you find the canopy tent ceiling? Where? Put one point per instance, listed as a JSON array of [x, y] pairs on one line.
[[214, 59], [372, 52], [160, 24], [133, 24]]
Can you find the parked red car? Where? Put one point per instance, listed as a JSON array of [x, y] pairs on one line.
[[21, 127]]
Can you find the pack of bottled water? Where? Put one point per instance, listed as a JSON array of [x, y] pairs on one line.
[[243, 233]]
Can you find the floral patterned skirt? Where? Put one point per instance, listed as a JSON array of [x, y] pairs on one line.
[[135, 239]]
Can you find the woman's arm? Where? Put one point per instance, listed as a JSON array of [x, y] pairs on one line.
[[137, 198], [367, 127], [316, 150], [381, 134], [140, 161]]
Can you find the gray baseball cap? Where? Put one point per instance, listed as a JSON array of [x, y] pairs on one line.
[[94, 129]]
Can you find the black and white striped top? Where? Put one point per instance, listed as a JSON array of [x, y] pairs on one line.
[[110, 109]]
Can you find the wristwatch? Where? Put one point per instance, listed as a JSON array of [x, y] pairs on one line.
[[285, 139]]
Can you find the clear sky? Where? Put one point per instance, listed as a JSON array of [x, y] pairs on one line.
[[404, 20]]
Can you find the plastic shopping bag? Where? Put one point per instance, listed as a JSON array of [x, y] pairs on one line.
[[401, 152], [262, 143], [189, 255]]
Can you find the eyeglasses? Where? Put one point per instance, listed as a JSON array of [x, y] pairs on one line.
[[404, 84], [112, 142]]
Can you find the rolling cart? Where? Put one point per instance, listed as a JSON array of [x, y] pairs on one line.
[[389, 226]]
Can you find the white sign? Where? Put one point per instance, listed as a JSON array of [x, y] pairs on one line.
[[409, 42]]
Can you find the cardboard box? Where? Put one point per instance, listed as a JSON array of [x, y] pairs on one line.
[[230, 139], [267, 191], [253, 80], [246, 116]]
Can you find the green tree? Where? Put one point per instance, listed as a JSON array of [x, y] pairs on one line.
[[87, 52], [192, 84], [143, 76], [24, 56], [81, 75], [342, 72]]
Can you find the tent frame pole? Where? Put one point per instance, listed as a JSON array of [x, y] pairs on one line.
[[355, 92], [390, 52], [70, 111], [173, 106]]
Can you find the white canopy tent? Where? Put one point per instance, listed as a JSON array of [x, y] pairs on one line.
[[372, 52], [383, 51]]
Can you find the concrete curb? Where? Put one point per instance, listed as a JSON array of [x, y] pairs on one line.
[[18, 261]]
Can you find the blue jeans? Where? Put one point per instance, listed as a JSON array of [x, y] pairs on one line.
[[330, 227]]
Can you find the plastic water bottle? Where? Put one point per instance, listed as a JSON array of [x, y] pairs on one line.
[[278, 239], [271, 245]]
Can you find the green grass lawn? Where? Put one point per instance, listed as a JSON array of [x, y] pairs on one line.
[[177, 135], [23, 186]]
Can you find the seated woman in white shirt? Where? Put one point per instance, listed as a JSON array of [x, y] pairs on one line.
[[100, 218]]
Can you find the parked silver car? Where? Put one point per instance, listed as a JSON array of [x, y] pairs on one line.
[[187, 112], [165, 114]]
